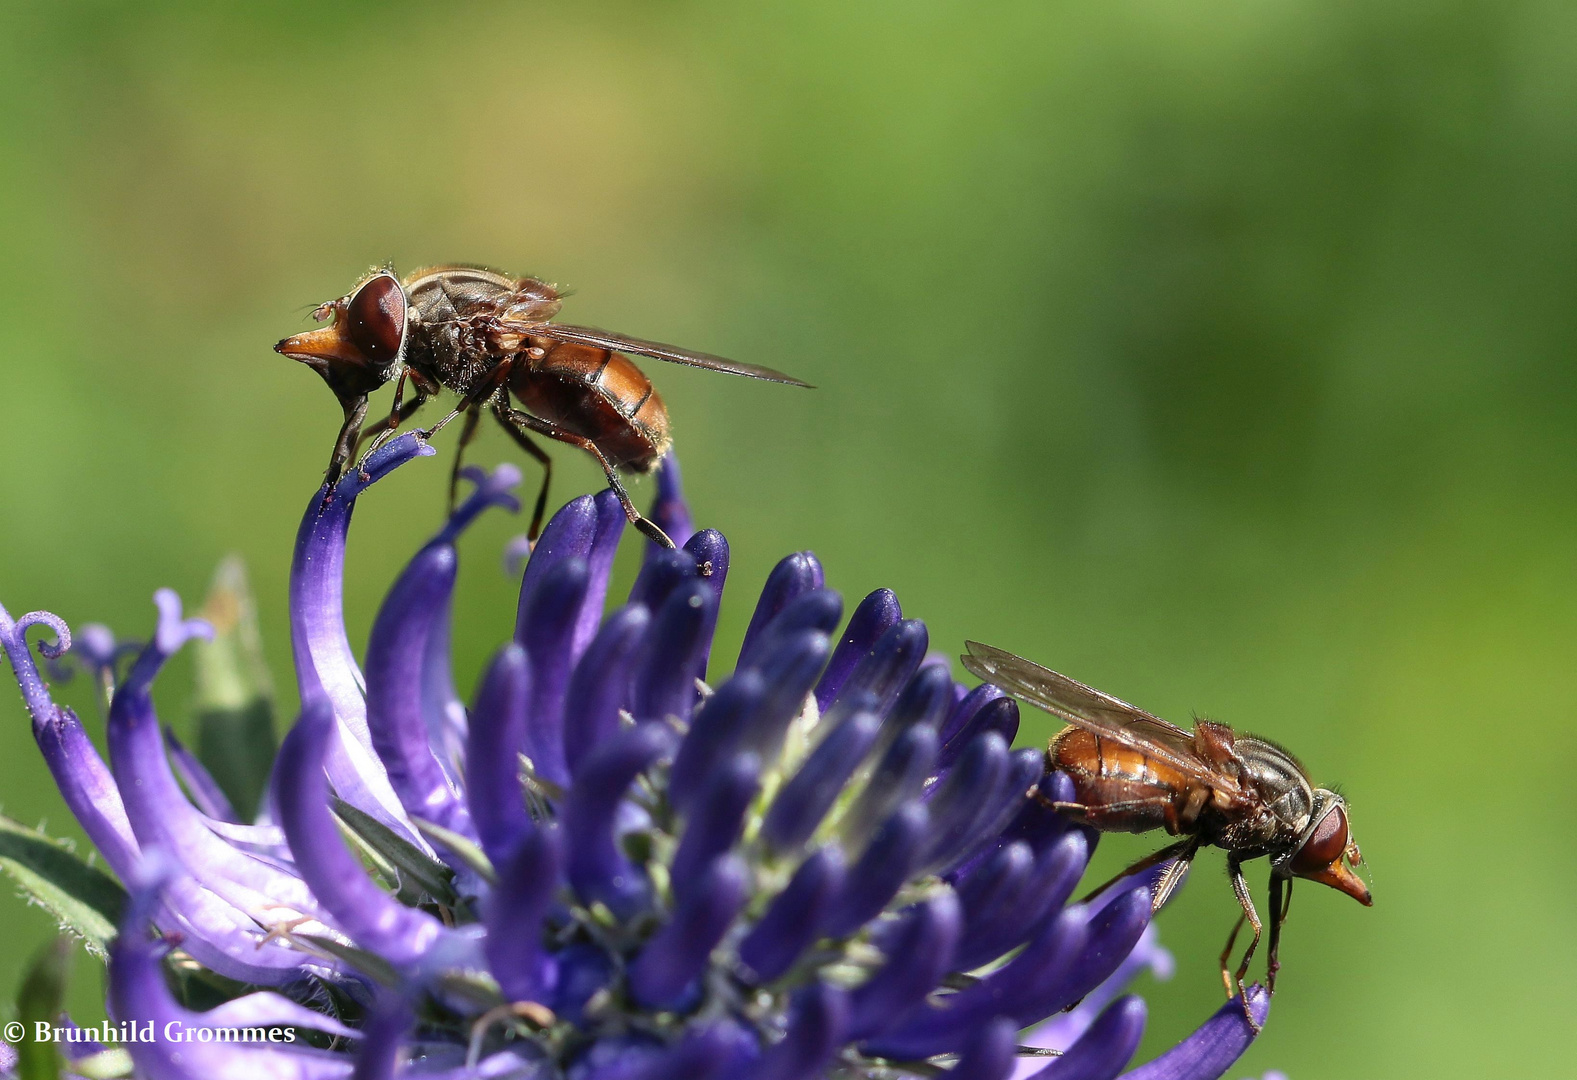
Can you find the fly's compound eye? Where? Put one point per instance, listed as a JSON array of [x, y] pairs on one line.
[[374, 319], [1325, 845]]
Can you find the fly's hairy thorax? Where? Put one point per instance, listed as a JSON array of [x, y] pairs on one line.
[[450, 307]]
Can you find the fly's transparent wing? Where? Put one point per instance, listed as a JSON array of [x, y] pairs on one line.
[[1088, 708], [607, 339]]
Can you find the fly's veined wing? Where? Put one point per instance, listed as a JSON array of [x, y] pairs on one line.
[[1088, 708], [607, 339]]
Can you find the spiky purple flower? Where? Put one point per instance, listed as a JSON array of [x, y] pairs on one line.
[[604, 868]]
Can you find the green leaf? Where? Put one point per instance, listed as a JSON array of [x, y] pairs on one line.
[[369, 964], [468, 852], [83, 899], [234, 702], [39, 1000], [424, 871]]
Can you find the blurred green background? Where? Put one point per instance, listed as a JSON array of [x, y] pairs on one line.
[[1220, 354]]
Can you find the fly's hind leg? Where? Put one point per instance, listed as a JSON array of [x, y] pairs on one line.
[[648, 528], [1234, 983], [501, 411], [1182, 853], [1107, 812], [473, 416]]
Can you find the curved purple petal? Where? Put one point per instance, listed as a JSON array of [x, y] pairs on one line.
[[877, 875], [964, 795], [928, 1030], [138, 993], [998, 806], [715, 732], [599, 560], [899, 776], [587, 528], [372, 918], [387, 1023], [709, 549], [876, 614], [789, 670], [990, 1055], [516, 950], [960, 725], [670, 511], [1214, 1046], [925, 699], [1105, 1048], [663, 571], [326, 669], [817, 1018], [597, 869], [718, 820], [495, 741], [674, 958], [157, 808], [1019, 914], [793, 575], [396, 660], [600, 684], [548, 634], [998, 714], [13, 639], [325, 665], [803, 802], [662, 683], [205, 792], [920, 953], [792, 922], [818, 610], [1066, 1028], [884, 671]]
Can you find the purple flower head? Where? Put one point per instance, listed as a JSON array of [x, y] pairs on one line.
[[607, 866]]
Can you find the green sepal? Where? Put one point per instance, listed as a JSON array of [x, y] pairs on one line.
[[369, 964], [39, 1000], [84, 900], [465, 850], [234, 701], [413, 864]]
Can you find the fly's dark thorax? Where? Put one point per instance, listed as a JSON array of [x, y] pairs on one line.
[[1283, 787], [446, 303]]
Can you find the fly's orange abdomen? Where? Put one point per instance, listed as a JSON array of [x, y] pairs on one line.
[[600, 395], [1109, 778]]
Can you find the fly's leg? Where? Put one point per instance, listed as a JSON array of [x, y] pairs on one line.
[[552, 431], [1228, 980], [1280, 904], [501, 410], [473, 416], [355, 413], [479, 395], [399, 413], [1183, 851], [1173, 876], [1095, 815]]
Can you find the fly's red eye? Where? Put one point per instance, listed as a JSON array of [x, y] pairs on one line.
[[375, 319], [1325, 844]]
